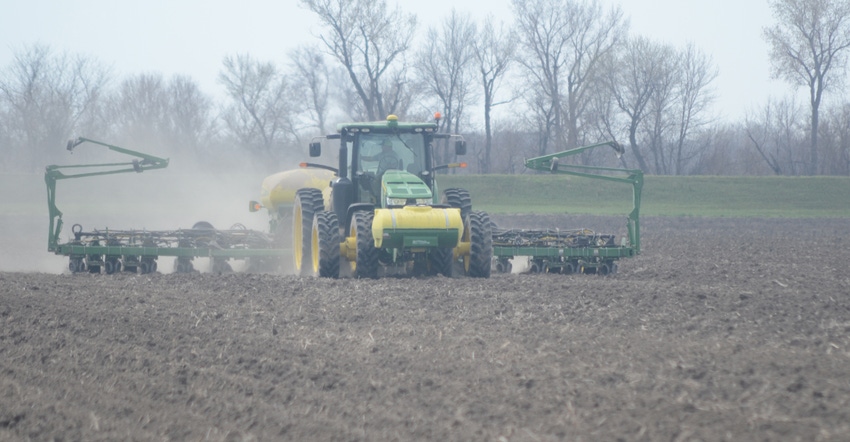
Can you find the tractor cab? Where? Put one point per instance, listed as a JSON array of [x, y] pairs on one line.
[[383, 164]]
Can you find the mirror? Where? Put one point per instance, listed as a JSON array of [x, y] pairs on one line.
[[315, 149], [460, 147]]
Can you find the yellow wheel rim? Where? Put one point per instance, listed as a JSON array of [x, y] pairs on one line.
[[296, 234]]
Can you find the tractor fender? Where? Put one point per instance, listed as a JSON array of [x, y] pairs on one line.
[[352, 209]]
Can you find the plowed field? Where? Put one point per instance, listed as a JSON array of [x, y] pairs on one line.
[[723, 329]]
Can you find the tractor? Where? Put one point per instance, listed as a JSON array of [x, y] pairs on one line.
[[382, 214]]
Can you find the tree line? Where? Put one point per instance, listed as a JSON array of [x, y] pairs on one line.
[[564, 72]]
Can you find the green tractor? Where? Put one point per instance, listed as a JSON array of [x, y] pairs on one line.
[[382, 213]]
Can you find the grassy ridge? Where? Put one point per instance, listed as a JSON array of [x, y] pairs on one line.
[[792, 197]]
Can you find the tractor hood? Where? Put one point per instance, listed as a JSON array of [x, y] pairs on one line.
[[400, 188]]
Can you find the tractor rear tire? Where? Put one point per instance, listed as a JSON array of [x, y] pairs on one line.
[[441, 261], [459, 199], [365, 264], [477, 231], [308, 202], [325, 245]]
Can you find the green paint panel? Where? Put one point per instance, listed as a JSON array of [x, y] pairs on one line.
[[399, 238]]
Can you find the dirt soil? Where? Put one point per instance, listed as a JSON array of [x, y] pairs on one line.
[[723, 329]]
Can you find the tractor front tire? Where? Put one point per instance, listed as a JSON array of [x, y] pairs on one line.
[[308, 202], [365, 264], [477, 232], [325, 245]]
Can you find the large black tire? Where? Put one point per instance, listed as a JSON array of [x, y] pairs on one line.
[[183, 265], [441, 261], [325, 245], [458, 198], [220, 265], [112, 265], [77, 265], [365, 264], [308, 202], [147, 265], [477, 232], [503, 265]]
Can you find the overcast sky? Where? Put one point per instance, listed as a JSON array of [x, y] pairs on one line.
[[192, 36]]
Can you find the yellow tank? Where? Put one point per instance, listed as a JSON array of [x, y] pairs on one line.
[[413, 226], [279, 189]]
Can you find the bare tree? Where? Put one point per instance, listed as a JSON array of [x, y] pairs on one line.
[[443, 66], [639, 68], [312, 83], [661, 114], [544, 31], [47, 98], [369, 41], [259, 114], [808, 46], [6, 132], [676, 109], [725, 154], [541, 118], [145, 109], [776, 131], [697, 72], [836, 135], [192, 126], [565, 42], [139, 110], [494, 51]]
